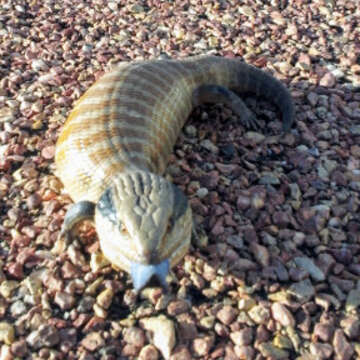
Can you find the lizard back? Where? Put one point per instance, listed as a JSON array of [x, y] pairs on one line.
[[131, 117]]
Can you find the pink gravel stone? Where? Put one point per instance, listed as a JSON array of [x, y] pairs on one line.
[[343, 349], [149, 352], [227, 314], [328, 80], [48, 152], [242, 337], [201, 346], [282, 315], [134, 336]]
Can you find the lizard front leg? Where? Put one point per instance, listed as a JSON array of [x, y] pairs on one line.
[[78, 212], [218, 94]]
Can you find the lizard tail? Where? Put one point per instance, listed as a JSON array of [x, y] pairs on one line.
[[248, 78]]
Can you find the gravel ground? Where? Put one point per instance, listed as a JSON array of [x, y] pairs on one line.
[[278, 276]]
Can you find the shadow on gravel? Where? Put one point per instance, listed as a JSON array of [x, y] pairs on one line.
[[272, 198]]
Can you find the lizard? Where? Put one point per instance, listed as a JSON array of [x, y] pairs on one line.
[[115, 144]]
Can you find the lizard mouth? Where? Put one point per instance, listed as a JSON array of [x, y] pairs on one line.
[[144, 275]]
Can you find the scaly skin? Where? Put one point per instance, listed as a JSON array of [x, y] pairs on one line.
[[116, 143]]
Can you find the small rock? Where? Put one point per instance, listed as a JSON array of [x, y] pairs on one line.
[[93, 341], [190, 130], [210, 180], [228, 151], [308, 265], [202, 192], [19, 348], [304, 61], [343, 350], [7, 287], [260, 253], [64, 300], [135, 336], [33, 201], [181, 353], [295, 191], [246, 10], [48, 152], [282, 342], [85, 304], [149, 352], [129, 351], [7, 333], [44, 336], [321, 351], [312, 98], [235, 241], [187, 329], [355, 130], [242, 337], [18, 308], [280, 296], [351, 326], [281, 219], [5, 353], [353, 300], [112, 5], [282, 315], [39, 65], [177, 307], [268, 350], [269, 179], [68, 337], [100, 311], [243, 202], [15, 270], [201, 346], [69, 271], [324, 331], [259, 314], [104, 299], [244, 265], [98, 261], [281, 271], [257, 201], [244, 352], [163, 332], [255, 137], [294, 337], [227, 314], [302, 290], [208, 145], [328, 80], [207, 322], [136, 9]]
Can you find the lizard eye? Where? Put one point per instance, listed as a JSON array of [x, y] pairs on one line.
[[106, 206]]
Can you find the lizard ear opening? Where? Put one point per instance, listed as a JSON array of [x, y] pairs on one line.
[[180, 204]]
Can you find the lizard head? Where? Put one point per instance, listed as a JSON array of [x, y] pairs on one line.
[[144, 225]]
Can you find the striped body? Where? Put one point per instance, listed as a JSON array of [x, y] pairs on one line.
[[116, 143], [130, 118]]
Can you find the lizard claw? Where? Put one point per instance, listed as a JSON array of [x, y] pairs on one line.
[[250, 121]]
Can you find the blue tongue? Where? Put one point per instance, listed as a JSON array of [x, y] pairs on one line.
[[143, 274]]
